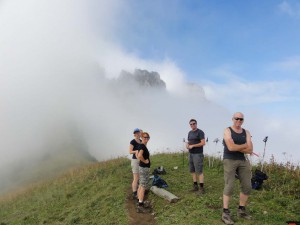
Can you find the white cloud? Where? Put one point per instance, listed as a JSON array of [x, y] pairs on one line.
[[247, 93], [291, 9], [50, 55], [291, 64]]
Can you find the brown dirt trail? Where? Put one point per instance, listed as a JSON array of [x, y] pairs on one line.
[[137, 218]]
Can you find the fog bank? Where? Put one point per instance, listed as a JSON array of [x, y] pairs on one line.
[[62, 69]]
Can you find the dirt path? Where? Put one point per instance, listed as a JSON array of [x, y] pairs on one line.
[[137, 218]]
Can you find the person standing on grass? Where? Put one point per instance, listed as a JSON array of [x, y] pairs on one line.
[[196, 141], [133, 149], [144, 171], [237, 142]]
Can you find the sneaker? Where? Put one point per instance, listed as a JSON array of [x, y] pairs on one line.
[[242, 214], [226, 218], [146, 204], [195, 187]]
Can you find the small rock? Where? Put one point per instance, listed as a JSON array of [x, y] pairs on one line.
[[265, 212]]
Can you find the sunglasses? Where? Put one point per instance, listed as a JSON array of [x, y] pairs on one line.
[[240, 119], [146, 137], [192, 124]]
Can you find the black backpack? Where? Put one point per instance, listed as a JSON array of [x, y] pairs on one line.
[[159, 170], [258, 179]]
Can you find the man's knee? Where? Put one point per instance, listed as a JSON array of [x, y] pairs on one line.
[[246, 190], [228, 189]]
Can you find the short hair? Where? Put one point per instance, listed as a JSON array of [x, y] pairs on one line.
[[193, 120], [146, 134]]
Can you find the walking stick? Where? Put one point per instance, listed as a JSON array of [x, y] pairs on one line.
[[262, 165], [209, 156], [216, 140], [183, 152]]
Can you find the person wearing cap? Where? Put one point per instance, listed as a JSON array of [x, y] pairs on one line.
[[237, 142], [196, 141], [133, 149]]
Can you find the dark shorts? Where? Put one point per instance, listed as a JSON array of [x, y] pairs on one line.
[[196, 163], [244, 171]]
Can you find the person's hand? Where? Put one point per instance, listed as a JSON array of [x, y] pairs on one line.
[[191, 146], [146, 161]]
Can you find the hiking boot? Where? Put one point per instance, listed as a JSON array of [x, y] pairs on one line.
[[142, 209], [202, 190], [242, 214], [195, 187], [226, 218]]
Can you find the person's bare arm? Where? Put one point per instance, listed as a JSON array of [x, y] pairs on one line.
[[201, 143], [249, 148], [131, 151], [230, 143], [141, 157]]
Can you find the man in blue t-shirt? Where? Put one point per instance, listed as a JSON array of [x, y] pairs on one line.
[[196, 141]]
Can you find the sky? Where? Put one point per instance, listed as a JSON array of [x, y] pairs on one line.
[[241, 48], [245, 54], [60, 61]]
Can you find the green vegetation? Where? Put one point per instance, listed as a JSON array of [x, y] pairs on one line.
[[93, 194], [96, 194], [276, 203]]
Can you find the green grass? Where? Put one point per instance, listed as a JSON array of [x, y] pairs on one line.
[[96, 194], [276, 203], [90, 195]]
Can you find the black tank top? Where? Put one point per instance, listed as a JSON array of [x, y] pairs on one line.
[[238, 139]]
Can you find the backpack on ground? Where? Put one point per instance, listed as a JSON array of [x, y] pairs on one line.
[[158, 182], [159, 170], [258, 179]]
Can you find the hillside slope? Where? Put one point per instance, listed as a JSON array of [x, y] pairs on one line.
[[96, 194], [58, 160]]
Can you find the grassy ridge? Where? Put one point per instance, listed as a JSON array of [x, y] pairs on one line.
[[96, 194], [90, 195], [276, 203]]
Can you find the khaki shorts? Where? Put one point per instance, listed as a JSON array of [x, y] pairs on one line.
[[244, 171], [144, 176], [135, 165]]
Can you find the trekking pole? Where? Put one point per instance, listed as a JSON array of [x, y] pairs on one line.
[[209, 157], [183, 152], [216, 140], [262, 165]]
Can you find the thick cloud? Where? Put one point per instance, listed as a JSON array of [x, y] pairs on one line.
[[63, 72]]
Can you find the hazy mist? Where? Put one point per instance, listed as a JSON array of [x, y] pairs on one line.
[[61, 68]]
